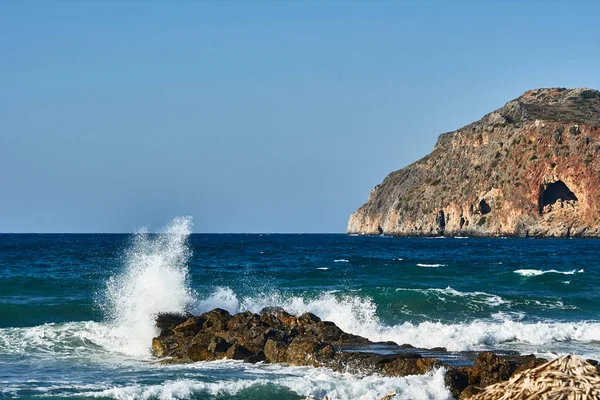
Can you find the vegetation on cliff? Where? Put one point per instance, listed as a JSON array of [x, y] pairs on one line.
[[530, 168]]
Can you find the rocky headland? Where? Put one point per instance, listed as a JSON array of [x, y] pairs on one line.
[[275, 336], [528, 169]]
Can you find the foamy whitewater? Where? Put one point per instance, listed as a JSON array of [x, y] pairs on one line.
[[78, 310]]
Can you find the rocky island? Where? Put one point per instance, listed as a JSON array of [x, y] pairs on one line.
[[528, 169]]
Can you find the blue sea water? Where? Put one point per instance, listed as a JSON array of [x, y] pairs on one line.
[[76, 311]]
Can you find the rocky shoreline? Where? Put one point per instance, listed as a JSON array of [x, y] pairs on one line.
[[275, 336]]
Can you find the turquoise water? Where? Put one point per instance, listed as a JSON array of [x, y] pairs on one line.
[[76, 311]]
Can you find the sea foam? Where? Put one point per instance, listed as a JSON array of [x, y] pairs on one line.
[[538, 272], [474, 297], [358, 315], [303, 381]]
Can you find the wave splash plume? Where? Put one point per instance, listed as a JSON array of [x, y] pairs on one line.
[[154, 280]]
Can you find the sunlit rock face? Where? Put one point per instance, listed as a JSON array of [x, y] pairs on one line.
[[530, 168]]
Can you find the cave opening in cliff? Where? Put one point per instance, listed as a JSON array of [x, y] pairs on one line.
[[552, 192], [484, 207]]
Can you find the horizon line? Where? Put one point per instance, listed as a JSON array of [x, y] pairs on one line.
[[193, 233]]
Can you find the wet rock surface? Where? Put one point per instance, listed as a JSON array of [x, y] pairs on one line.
[[275, 336]]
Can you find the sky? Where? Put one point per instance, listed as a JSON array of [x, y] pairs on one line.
[[253, 116]]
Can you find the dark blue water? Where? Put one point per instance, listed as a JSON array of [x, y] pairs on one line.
[[76, 310]]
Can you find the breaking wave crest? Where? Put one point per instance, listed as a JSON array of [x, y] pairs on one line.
[[538, 272], [358, 315], [477, 298]]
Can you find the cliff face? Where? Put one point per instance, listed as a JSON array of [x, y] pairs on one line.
[[530, 168]]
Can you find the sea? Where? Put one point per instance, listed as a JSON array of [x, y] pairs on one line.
[[77, 310]]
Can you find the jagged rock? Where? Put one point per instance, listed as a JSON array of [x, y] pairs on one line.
[[488, 369], [456, 381], [167, 321], [501, 175], [275, 336], [491, 368]]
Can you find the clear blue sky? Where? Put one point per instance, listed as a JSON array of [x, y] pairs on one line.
[[253, 116]]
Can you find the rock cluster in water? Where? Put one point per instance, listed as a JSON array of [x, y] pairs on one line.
[[275, 336], [530, 168]]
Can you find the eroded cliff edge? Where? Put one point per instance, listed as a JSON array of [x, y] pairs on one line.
[[530, 168]]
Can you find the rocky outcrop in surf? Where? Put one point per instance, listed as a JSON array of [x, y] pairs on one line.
[[530, 168], [275, 336]]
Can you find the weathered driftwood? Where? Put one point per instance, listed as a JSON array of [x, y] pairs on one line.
[[567, 377]]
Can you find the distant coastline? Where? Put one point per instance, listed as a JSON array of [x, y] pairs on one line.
[[528, 169]]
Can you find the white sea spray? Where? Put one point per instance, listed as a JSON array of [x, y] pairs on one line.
[[154, 280]]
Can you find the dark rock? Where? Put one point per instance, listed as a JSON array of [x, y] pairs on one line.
[[533, 362], [410, 366], [309, 318], [238, 352], [190, 326], [216, 319], [456, 381], [440, 349], [275, 351], [167, 321], [219, 345], [304, 351], [493, 369], [256, 357]]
